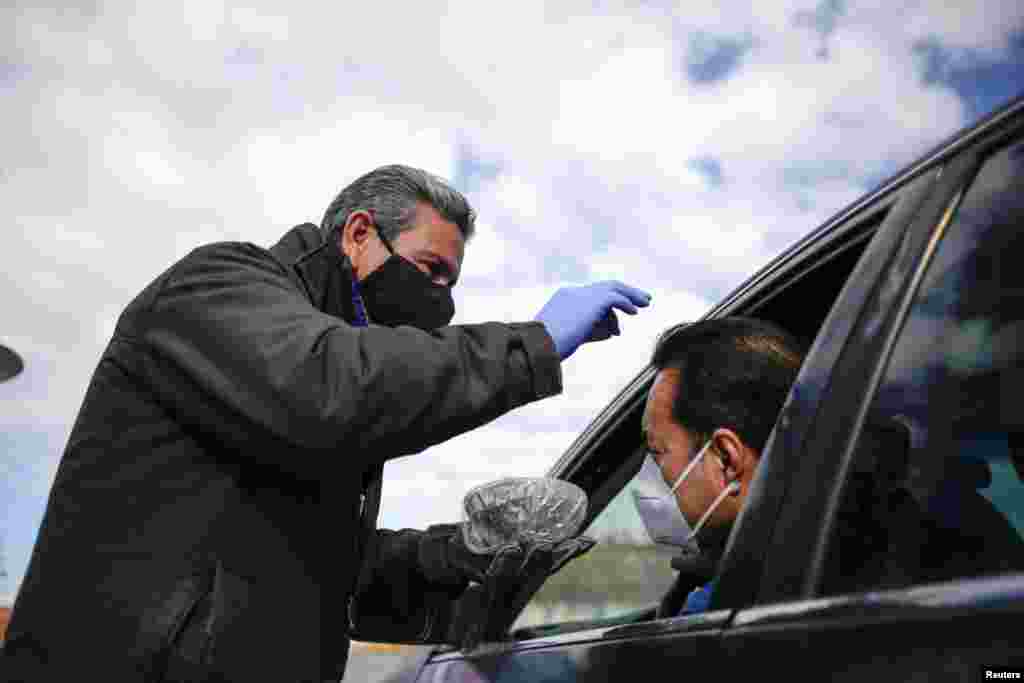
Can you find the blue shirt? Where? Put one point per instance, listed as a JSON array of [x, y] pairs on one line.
[[698, 599]]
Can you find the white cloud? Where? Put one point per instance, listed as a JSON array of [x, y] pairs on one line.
[[518, 196], [139, 152], [428, 488], [714, 241], [509, 304], [301, 166], [488, 256], [259, 25], [624, 95]]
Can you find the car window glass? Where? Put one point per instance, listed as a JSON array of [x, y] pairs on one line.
[[937, 485], [624, 572]]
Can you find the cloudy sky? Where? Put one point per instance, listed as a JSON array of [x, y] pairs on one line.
[[677, 149]]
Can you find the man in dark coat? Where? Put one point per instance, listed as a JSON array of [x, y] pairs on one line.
[[205, 520]]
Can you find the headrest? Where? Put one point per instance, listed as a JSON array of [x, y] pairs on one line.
[[971, 471], [883, 450]]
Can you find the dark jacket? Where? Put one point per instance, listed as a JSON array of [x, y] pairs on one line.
[[217, 463]]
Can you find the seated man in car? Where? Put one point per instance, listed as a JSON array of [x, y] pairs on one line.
[[719, 387]]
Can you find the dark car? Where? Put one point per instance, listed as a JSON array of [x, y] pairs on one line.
[[883, 538]]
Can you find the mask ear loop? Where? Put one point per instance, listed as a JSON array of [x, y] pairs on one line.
[[362, 319], [732, 489], [693, 463], [380, 233]]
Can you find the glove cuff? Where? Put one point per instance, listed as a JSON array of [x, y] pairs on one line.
[[542, 357]]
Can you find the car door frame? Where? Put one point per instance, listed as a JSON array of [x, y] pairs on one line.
[[750, 573], [788, 614], [742, 567], [857, 372]]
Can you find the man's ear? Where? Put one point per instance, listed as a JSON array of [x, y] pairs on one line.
[[356, 232], [735, 458]]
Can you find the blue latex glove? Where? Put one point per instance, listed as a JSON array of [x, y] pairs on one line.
[[576, 315]]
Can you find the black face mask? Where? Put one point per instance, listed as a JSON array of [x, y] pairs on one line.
[[399, 293]]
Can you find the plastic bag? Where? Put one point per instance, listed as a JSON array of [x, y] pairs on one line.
[[522, 510]]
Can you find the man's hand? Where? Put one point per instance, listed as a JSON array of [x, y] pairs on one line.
[[500, 576], [576, 315], [481, 612], [444, 557]]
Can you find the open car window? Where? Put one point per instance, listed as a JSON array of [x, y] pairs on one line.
[[625, 577]]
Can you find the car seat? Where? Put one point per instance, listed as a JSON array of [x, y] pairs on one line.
[[889, 535]]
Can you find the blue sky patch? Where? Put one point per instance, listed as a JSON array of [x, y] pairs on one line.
[[811, 174], [11, 73], [471, 170], [710, 168], [559, 268], [25, 447], [713, 58], [244, 55], [599, 225], [875, 180], [823, 18], [983, 84]]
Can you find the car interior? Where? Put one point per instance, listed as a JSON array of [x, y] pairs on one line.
[[889, 535], [948, 479], [798, 299]]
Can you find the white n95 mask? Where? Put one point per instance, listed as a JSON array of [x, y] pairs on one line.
[[659, 510]]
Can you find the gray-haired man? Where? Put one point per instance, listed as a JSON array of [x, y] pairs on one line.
[[218, 491]]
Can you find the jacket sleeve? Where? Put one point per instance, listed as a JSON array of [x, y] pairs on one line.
[[238, 351]]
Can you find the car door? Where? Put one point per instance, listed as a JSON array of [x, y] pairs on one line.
[[625, 638], [910, 477]]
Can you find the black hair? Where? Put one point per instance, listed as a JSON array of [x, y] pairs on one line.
[[735, 372]]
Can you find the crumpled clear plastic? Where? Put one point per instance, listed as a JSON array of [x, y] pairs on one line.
[[521, 510]]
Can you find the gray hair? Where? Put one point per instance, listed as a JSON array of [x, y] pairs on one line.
[[392, 193]]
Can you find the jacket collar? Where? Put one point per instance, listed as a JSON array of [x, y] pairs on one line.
[[319, 265]]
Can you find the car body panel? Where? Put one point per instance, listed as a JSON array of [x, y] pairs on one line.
[[949, 631], [610, 654]]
